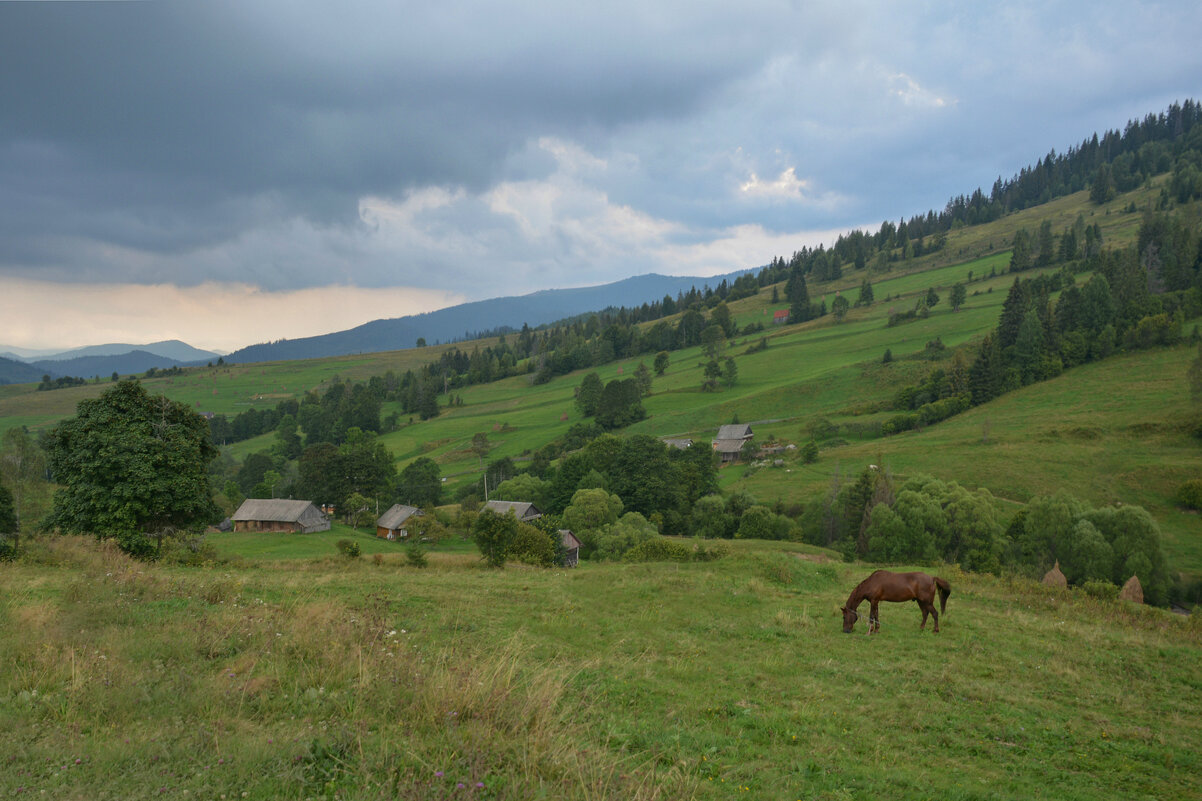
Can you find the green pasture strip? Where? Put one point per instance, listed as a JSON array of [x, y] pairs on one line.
[[731, 679], [273, 545]]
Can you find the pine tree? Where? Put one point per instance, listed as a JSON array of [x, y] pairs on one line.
[[1013, 311], [798, 295]]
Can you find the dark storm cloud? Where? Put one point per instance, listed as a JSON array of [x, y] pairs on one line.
[[165, 126], [291, 144]]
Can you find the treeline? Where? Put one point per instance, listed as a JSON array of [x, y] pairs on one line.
[[926, 520], [62, 382]]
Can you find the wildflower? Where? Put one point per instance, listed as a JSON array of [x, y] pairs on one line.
[[460, 786], [438, 774]]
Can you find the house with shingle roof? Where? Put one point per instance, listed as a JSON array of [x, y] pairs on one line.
[[730, 441], [279, 514], [393, 524]]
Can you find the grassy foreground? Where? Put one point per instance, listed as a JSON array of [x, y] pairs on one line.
[[323, 678]]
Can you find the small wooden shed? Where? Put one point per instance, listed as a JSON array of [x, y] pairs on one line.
[[278, 514], [393, 524], [525, 512], [571, 548]]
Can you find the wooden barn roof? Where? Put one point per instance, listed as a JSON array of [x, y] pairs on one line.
[[396, 516], [275, 509], [734, 431]]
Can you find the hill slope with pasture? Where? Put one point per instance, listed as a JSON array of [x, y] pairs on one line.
[[724, 679]]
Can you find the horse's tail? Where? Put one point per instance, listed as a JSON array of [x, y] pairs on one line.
[[945, 590]]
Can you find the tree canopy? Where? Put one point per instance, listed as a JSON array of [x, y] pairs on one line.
[[132, 467]]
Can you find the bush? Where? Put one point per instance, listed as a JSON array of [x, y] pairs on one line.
[[1189, 494], [1101, 589], [659, 550], [348, 548], [188, 551], [899, 423], [532, 547], [415, 556], [662, 549]]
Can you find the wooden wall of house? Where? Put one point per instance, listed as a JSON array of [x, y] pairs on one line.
[[265, 526]]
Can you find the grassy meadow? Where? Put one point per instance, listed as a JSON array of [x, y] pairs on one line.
[[322, 677]]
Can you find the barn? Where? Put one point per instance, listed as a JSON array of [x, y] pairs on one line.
[[393, 524], [730, 441], [277, 514]]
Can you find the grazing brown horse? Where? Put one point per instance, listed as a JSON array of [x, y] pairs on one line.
[[885, 586]]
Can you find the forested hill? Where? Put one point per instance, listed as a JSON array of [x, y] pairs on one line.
[[14, 372], [468, 319]]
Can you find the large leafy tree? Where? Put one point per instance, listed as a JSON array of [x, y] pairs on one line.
[[420, 483], [132, 467]]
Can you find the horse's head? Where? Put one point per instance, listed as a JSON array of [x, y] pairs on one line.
[[850, 616]]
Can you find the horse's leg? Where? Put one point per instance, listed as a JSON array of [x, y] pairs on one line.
[[874, 620], [926, 610], [935, 614]]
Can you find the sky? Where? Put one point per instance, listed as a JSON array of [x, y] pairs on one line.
[[228, 173]]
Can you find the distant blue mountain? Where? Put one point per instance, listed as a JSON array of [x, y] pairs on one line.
[[136, 361], [465, 320], [15, 372], [178, 352]]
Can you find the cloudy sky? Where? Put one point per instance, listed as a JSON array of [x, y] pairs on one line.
[[232, 172]]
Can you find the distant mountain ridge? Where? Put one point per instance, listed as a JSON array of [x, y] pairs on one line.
[[16, 372], [136, 361], [174, 349], [461, 322]]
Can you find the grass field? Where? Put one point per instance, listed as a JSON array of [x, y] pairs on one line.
[[326, 678]]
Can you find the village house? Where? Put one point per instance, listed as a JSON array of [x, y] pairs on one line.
[[525, 512], [780, 317], [730, 441], [277, 514], [393, 524], [679, 444]]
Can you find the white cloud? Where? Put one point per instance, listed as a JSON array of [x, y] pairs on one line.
[[787, 186]]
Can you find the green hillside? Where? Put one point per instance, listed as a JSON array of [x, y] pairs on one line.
[[1109, 432], [320, 678]]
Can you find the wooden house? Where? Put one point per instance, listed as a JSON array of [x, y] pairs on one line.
[[571, 548], [730, 441], [394, 524], [277, 514], [780, 317], [679, 444], [525, 512]]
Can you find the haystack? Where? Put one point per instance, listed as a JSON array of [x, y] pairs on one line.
[[1054, 577], [1132, 591]]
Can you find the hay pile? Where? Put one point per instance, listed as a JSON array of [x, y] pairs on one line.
[[1132, 591], [1054, 577]]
